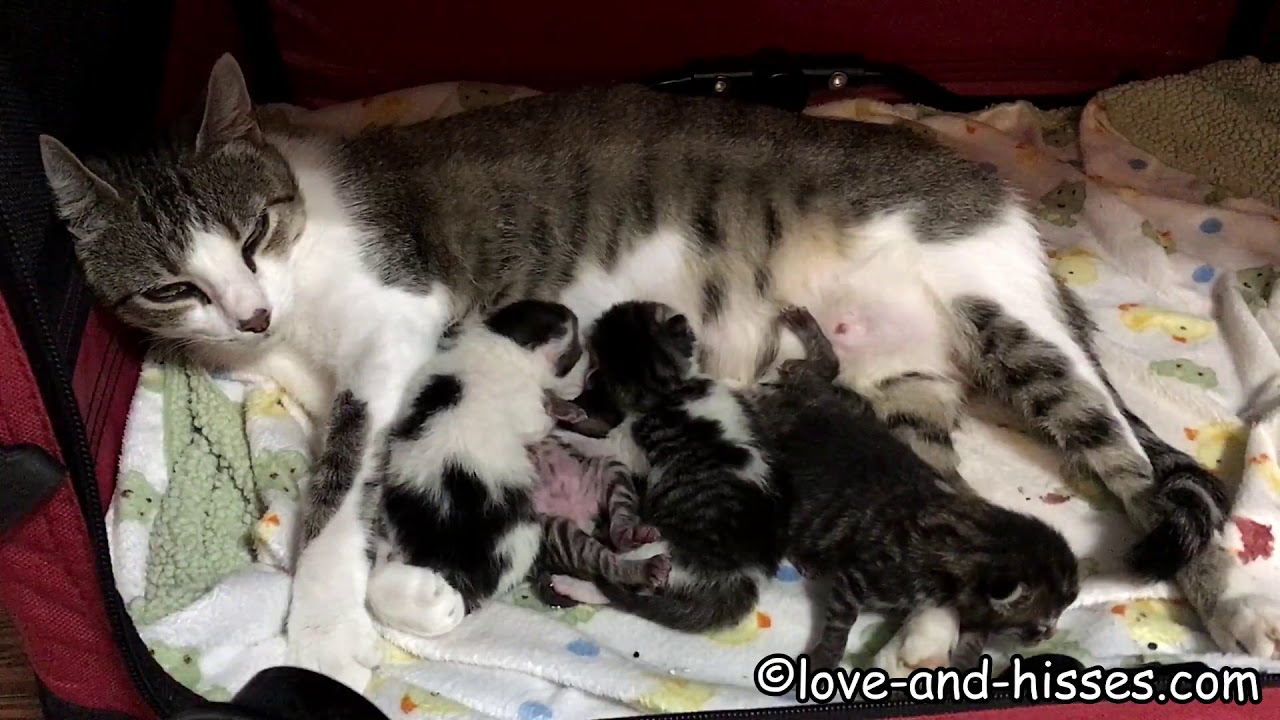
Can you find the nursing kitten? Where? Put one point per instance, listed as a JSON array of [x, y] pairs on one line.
[[885, 528], [705, 485], [582, 497], [457, 491], [310, 257]]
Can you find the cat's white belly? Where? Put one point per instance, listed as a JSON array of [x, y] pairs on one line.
[[864, 285], [661, 268]]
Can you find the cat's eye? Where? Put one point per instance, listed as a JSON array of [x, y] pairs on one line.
[[175, 292], [256, 236]]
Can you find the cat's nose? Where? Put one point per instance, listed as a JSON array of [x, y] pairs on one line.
[[258, 322]]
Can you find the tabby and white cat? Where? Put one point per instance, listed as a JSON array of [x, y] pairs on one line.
[[328, 261]]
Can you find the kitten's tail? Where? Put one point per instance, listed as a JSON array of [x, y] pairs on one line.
[[699, 606], [1189, 505]]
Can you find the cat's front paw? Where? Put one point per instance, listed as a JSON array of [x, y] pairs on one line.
[[345, 649], [1248, 624], [414, 600], [627, 537]]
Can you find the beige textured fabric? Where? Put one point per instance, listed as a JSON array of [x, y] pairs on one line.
[[1220, 123]]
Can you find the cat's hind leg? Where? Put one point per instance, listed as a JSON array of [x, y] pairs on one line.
[[1030, 346]]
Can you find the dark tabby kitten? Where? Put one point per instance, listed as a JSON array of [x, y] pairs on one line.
[[709, 488], [888, 531], [459, 494]]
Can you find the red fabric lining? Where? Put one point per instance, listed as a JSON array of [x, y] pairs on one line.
[[104, 381], [337, 50], [48, 580]]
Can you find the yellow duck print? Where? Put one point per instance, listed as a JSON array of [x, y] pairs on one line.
[[266, 403], [1219, 447], [430, 704], [746, 631], [1156, 624], [1266, 465], [676, 696], [1180, 327], [1075, 267]]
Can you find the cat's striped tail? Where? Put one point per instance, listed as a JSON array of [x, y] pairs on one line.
[[1188, 507]]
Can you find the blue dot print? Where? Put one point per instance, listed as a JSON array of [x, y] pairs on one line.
[[1138, 164], [1211, 226], [583, 648], [786, 573], [530, 710], [1203, 274]]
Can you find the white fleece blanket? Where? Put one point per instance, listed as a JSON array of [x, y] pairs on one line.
[[1158, 256]]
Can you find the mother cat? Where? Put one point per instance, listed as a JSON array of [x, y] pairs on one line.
[[329, 263]]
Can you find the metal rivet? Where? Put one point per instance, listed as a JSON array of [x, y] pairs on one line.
[[838, 80], [721, 85]]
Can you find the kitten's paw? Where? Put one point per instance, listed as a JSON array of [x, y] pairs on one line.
[[345, 650], [791, 368], [658, 571], [414, 600], [797, 319], [580, 590], [925, 640], [545, 591], [1249, 624], [629, 537]]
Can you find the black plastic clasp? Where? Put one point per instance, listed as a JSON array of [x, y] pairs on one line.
[[773, 77], [28, 478]]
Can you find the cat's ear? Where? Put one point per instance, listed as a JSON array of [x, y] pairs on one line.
[[1003, 590], [228, 111], [77, 191]]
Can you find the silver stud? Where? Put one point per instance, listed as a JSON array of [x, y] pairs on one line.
[[838, 80], [721, 85]]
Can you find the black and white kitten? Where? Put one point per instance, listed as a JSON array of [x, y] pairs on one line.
[[706, 485], [886, 529], [456, 493]]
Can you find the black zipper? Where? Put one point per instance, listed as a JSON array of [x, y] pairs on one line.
[[79, 466]]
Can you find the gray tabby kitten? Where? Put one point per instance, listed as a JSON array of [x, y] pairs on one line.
[[885, 528], [704, 482], [328, 263]]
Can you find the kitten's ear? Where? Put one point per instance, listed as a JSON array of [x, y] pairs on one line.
[[228, 111], [1003, 590], [678, 325], [77, 191]]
